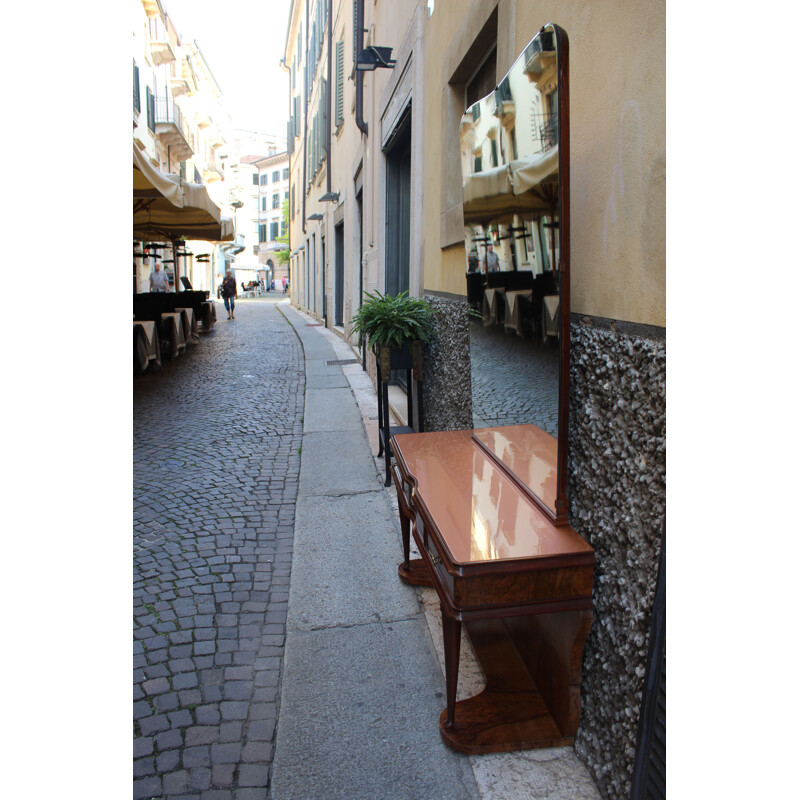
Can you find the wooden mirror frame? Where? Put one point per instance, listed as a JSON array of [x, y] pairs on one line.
[[562, 55]]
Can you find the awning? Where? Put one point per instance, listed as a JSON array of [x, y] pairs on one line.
[[525, 187], [166, 207]]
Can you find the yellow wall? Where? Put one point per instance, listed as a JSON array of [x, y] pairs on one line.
[[618, 149]]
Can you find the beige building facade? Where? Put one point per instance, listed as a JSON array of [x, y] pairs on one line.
[[181, 125], [376, 204]]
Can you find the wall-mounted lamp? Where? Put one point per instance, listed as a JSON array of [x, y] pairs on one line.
[[315, 216], [330, 197], [372, 57]]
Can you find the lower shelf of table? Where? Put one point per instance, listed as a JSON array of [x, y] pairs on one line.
[[415, 574], [510, 713]]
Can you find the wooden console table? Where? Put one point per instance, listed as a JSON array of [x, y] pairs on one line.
[[521, 587]]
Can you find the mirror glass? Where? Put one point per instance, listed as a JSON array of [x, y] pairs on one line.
[[512, 147]]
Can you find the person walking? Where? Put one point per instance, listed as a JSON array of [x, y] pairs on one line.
[[492, 261], [284, 284], [159, 281], [229, 292]]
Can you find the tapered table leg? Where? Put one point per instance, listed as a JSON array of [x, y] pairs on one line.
[[451, 630]]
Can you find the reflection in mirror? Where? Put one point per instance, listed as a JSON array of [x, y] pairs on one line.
[[511, 152]]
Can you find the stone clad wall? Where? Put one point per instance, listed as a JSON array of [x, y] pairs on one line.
[[446, 370], [617, 497]]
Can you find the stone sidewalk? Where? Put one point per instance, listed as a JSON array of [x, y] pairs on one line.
[[548, 774]]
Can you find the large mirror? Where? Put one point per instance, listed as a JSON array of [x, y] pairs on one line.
[[515, 168]]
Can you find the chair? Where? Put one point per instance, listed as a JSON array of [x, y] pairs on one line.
[[399, 360]]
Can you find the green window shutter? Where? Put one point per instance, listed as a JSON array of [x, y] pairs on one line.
[[355, 30], [338, 116], [137, 103], [151, 110]]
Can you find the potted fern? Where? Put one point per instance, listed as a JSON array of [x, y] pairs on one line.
[[394, 327]]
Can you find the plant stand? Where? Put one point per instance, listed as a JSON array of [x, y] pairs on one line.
[[410, 360]]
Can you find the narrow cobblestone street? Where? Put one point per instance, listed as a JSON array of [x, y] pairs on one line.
[[217, 437]]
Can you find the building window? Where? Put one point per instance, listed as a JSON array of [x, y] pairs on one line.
[[263, 203], [276, 200], [483, 79], [262, 233], [255, 179], [137, 104], [151, 110], [338, 114], [264, 179], [276, 176], [286, 174], [273, 231]]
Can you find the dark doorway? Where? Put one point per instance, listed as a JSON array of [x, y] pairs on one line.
[[338, 283], [323, 267], [398, 207]]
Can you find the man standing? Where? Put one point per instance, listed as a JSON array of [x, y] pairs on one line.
[[159, 282], [492, 261]]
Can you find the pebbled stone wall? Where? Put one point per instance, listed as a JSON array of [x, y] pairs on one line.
[[446, 369], [617, 496]]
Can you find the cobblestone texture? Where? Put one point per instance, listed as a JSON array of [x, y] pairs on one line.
[[216, 466], [514, 380]]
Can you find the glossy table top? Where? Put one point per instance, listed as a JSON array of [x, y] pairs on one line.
[[481, 513], [528, 452]]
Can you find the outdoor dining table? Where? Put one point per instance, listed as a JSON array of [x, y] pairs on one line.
[[551, 315], [513, 320], [146, 344], [492, 298], [208, 310], [176, 337], [190, 325]]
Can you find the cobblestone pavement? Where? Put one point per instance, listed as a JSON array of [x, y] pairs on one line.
[[216, 465], [514, 380]]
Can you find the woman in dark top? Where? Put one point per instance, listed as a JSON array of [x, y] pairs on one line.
[[229, 292]]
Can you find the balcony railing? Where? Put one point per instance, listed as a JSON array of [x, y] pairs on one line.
[[175, 129], [545, 129]]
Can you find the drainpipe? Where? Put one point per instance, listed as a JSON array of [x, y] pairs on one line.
[[305, 120], [328, 125], [359, 38]]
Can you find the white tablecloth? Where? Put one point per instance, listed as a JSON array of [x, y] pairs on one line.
[[514, 309], [177, 337], [147, 349], [191, 324]]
